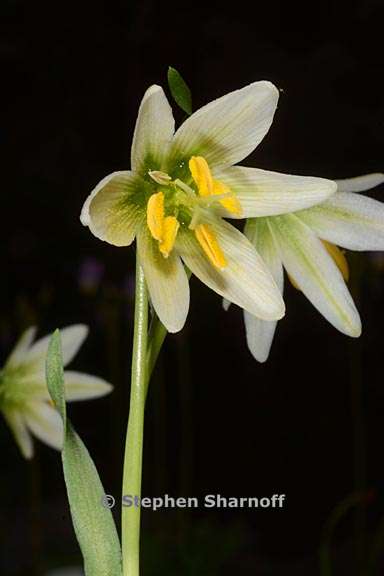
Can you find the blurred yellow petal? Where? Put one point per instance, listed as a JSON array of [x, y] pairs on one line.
[[339, 258]]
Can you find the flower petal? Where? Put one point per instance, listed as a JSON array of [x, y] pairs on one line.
[[264, 193], [349, 220], [21, 434], [360, 183], [260, 333], [153, 131], [79, 386], [166, 280], [72, 338], [314, 271], [21, 347], [245, 280], [84, 215], [45, 423], [227, 129], [109, 210]]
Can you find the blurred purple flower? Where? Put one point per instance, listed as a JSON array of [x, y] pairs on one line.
[[91, 272]]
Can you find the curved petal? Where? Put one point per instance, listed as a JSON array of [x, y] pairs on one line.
[[20, 432], [109, 210], [45, 423], [72, 337], [166, 280], [245, 280], [21, 347], [264, 193], [260, 333], [84, 215], [153, 131], [79, 386], [360, 183], [227, 129], [316, 274], [349, 220]]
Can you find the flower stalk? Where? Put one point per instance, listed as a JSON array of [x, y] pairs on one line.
[[134, 441], [156, 337]]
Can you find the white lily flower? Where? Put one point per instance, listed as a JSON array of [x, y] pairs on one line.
[[306, 245], [180, 187], [24, 398]]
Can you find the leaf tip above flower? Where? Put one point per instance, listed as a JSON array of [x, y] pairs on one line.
[[180, 90]]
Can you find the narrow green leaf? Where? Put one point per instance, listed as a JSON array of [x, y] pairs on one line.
[[180, 90], [93, 523]]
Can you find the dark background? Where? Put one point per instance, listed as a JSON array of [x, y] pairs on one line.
[[308, 423]]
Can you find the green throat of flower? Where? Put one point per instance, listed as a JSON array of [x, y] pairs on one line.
[[176, 204], [13, 389]]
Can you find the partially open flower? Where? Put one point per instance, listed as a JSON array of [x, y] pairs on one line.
[[306, 245], [181, 186], [24, 398]]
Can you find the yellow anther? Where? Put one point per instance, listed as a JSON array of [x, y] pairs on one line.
[[202, 175], [155, 215], [163, 228], [207, 186], [339, 258], [231, 203], [208, 241], [170, 228]]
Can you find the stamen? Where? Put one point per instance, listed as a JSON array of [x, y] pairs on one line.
[[160, 177], [155, 215], [170, 229], [180, 184], [230, 203], [208, 241], [195, 218], [202, 175], [209, 200], [207, 186]]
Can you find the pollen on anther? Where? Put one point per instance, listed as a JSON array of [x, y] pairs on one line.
[[155, 215]]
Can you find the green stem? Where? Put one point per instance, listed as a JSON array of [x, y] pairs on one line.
[[156, 337], [134, 441]]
